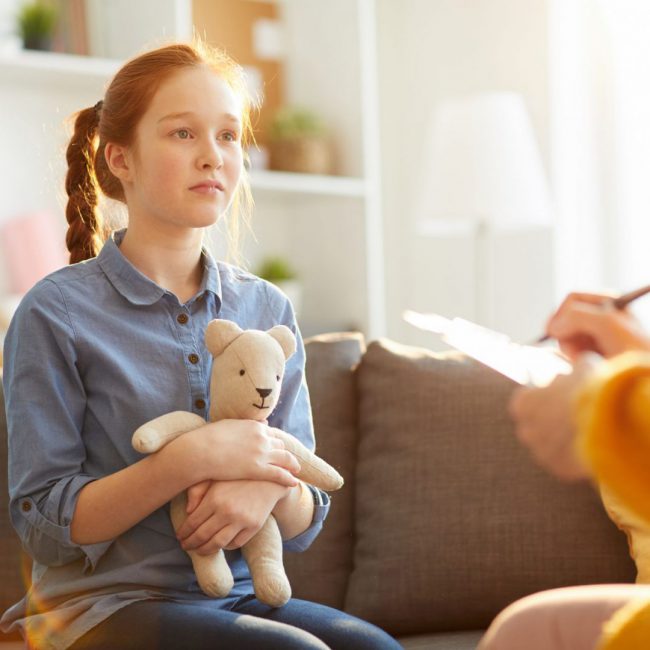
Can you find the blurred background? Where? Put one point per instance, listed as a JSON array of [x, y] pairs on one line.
[[473, 158]]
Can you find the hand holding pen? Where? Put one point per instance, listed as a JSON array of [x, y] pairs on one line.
[[544, 418], [588, 322]]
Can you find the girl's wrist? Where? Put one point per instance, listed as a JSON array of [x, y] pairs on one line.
[[186, 459], [295, 511], [291, 493], [294, 496]]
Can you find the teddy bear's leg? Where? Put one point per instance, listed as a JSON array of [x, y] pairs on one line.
[[212, 571], [263, 553], [153, 435], [313, 470], [213, 574]]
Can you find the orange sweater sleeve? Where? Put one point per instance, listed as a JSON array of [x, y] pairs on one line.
[[613, 416]]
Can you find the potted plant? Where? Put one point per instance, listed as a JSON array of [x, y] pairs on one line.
[[278, 271], [299, 143], [36, 24]]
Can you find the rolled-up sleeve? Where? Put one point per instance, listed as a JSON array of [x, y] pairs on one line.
[[45, 404], [304, 540], [293, 415]]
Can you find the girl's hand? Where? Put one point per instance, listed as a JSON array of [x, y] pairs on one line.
[[585, 322], [229, 515], [195, 494], [544, 420], [241, 449]]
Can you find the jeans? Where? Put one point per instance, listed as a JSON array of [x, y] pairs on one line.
[[167, 625]]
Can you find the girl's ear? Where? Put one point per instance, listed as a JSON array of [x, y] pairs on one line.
[[219, 334], [118, 160]]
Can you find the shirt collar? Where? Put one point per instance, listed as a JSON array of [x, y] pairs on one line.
[[137, 287], [211, 280]]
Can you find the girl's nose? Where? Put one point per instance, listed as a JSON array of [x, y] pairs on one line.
[[211, 157]]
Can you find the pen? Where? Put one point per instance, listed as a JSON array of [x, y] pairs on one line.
[[621, 302]]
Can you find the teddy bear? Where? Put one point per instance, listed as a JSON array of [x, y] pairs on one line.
[[247, 371]]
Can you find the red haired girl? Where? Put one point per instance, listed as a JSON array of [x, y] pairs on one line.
[[115, 339]]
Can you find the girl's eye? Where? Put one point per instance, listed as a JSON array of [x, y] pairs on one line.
[[183, 134], [229, 136]]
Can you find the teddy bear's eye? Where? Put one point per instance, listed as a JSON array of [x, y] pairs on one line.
[[242, 372], [277, 377]]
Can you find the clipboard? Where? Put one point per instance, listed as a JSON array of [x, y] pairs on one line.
[[527, 365]]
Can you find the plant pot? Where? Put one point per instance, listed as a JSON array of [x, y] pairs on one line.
[[43, 43], [305, 155]]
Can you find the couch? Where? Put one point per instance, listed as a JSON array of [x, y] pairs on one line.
[[443, 519]]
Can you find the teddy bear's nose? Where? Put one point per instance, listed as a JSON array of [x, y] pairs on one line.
[[264, 392]]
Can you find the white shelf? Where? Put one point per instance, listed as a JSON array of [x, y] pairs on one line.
[[307, 184], [57, 68]]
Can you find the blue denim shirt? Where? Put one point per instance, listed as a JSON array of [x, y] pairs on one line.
[[95, 350]]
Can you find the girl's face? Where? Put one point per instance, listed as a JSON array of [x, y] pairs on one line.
[[187, 159]]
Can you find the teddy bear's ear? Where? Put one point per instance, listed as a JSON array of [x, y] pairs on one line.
[[284, 336], [219, 334]]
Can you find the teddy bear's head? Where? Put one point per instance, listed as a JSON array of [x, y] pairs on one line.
[[247, 369]]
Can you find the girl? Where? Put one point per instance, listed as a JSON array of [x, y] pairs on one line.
[[102, 346]]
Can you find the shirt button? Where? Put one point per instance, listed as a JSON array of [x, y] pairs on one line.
[[193, 358], [200, 404], [182, 318], [26, 506]]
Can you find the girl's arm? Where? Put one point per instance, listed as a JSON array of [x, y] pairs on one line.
[[295, 511], [226, 450], [226, 514]]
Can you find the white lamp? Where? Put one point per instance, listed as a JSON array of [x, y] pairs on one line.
[[483, 173], [485, 164]]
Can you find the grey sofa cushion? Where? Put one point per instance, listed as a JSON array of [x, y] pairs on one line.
[[453, 520], [321, 574]]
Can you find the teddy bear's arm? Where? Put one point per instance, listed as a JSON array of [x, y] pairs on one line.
[[156, 433], [313, 470]]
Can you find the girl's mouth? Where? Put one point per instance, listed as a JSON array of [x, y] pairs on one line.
[[208, 187]]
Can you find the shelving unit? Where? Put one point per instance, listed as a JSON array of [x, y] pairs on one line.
[[272, 181], [332, 224], [51, 67]]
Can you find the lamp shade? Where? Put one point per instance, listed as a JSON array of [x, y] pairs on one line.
[[483, 163]]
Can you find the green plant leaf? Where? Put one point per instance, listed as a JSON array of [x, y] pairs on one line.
[[296, 122], [276, 268], [37, 19]]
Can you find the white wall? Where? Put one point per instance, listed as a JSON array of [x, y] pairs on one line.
[[34, 135], [429, 51], [583, 151]]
